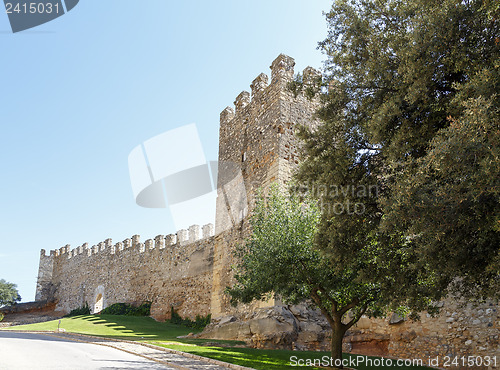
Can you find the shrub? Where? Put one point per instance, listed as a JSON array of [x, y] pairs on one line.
[[127, 309], [1, 316], [83, 310], [199, 323]]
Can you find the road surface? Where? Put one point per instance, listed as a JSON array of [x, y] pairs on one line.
[[27, 351]]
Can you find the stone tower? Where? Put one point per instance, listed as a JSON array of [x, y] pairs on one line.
[[257, 138]]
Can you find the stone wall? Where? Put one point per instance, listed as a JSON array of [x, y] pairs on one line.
[[173, 270], [258, 136]]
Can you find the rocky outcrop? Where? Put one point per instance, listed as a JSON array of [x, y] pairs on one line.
[[292, 327]]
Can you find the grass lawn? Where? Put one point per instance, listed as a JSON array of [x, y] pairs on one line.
[[268, 359], [113, 326], [165, 334]]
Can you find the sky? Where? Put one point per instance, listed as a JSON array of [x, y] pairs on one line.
[[79, 93]]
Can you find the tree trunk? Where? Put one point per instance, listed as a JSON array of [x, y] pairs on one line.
[[336, 345]]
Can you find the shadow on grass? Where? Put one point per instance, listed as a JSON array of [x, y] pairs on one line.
[[137, 328]]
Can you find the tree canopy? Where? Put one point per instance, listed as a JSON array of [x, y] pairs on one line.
[[410, 133], [8, 293], [280, 259]]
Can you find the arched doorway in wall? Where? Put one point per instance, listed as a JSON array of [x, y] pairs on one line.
[[99, 302]]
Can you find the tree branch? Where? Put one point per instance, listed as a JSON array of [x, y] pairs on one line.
[[356, 318], [316, 298], [346, 308]]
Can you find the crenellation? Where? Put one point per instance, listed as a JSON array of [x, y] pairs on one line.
[[282, 69], [136, 241], [311, 76], [95, 249], [108, 242], [159, 241], [119, 246], [82, 248], [226, 116], [170, 240], [101, 246], [127, 243], [112, 249], [258, 85], [242, 100], [182, 236], [149, 244], [142, 247], [207, 231], [194, 233]]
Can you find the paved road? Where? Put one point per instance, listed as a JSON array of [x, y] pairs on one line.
[[26, 351]]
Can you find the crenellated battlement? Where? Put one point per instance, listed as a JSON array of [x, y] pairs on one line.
[[181, 238], [282, 72]]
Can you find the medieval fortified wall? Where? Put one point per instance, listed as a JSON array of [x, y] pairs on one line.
[[189, 270]]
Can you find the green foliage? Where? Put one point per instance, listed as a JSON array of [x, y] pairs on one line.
[[1, 316], [8, 293], [280, 259], [83, 310], [199, 323], [411, 111], [310, 90], [127, 309]]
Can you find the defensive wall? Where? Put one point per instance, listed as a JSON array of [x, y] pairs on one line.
[[172, 270]]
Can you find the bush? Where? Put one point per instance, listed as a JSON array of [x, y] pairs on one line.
[[1, 316], [127, 309], [84, 310], [199, 323]]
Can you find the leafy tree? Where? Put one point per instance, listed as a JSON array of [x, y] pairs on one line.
[[279, 259], [410, 118], [8, 293]]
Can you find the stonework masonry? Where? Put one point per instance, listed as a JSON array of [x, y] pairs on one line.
[[173, 270], [190, 270]]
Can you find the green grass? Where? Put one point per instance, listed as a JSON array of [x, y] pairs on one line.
[[267, 359], [165, 334], [120, 327], [136, 328]]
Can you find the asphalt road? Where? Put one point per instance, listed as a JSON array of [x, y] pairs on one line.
[[26, 351]]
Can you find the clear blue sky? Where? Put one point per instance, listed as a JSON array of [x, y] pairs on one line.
[[80, 92]]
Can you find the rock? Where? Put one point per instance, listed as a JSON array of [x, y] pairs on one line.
[[269, 326], [229, 331], [450, 319], [468, 342], [227, 319], [363, 323], [396, 319]]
